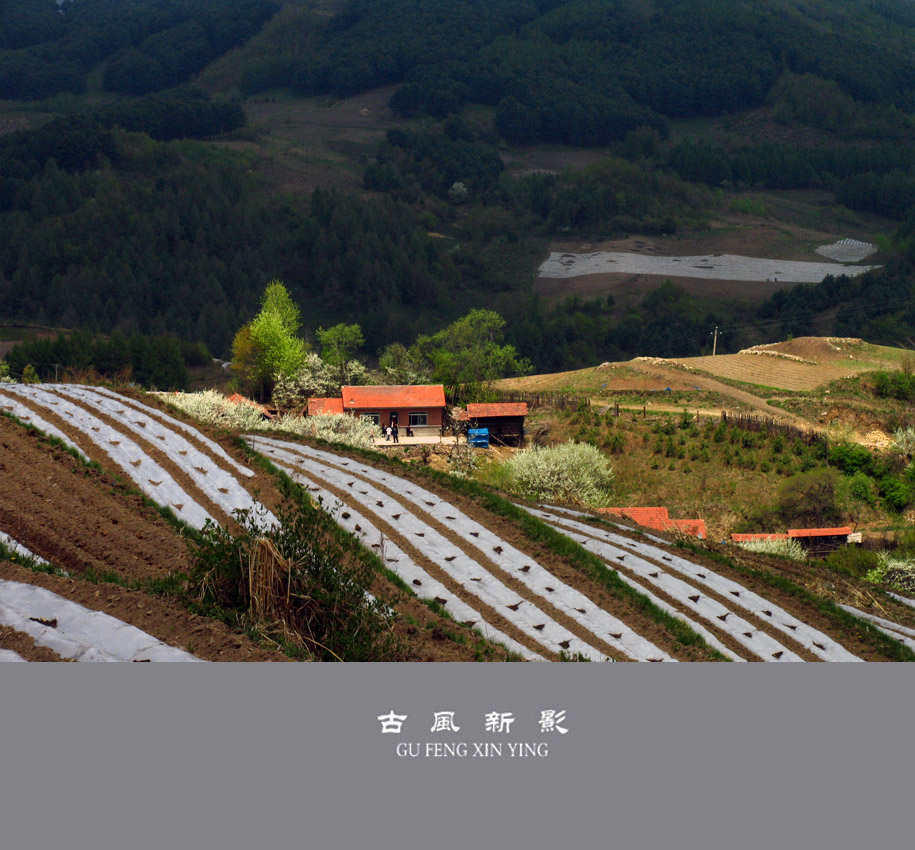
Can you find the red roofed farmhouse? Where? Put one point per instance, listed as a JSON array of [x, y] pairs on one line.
[[420, 408]]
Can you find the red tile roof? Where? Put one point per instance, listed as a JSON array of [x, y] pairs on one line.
[[841, 531], [324, 405], [236, 398], [695, 527], [480, 411], [659, 519], [373, 398]]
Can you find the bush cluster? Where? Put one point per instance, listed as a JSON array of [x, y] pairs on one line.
[[575, 473], [212, 408], [296, 582]]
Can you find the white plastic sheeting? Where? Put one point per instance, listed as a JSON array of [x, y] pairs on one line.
[[20, 411], [177, 424], [399, 562], [220, 487], [73, 631], [903, 599], [541, 582], [9, 655], [757, 641], [18, 549], [706, 267], [151, 478], [901, 633], [811, 639]]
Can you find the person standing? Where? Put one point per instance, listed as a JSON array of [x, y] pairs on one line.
[[394, 431]]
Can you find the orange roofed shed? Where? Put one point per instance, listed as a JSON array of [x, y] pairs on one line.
[[659, 519], [409, 406]]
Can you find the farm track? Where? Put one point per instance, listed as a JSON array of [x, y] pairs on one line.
[[489, 564]]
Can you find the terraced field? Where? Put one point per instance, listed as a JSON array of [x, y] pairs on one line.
[[488, 574]]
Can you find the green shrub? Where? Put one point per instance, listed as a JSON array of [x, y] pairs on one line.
[[896, 493], [297, 583], [863, 488], [571, 472], [852, 560], [809, 498]]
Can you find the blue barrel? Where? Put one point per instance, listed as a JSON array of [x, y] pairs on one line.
[[478, 438]]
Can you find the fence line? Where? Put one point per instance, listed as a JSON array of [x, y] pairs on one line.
[[554, 400], [752, 422]]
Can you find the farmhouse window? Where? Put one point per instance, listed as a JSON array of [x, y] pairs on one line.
[[419, 418], [374, 418]]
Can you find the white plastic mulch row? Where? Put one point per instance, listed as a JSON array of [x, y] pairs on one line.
[[151, 478], [399, 562], [18, 549], [757, 641], [475, 578], [73, 631], [20, 411], [177, 424], [811, 639], [888, 627], [707, 267], [220, 487], [903, 599], [9, 655]]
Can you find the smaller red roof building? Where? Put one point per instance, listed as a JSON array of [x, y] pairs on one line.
[[503, 420], [486, 411], [237, 398], [840, 531], [659, 519], [317, 406]]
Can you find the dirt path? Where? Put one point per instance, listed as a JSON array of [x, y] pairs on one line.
[[707, 383]]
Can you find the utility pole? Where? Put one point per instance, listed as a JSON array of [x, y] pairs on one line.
[[715, 341]]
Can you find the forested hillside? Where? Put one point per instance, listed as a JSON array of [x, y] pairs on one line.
[[136, 195], [47, 47]]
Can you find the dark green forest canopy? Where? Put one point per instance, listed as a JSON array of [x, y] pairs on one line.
[[48, 47], [589, 71], [107, 223]]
